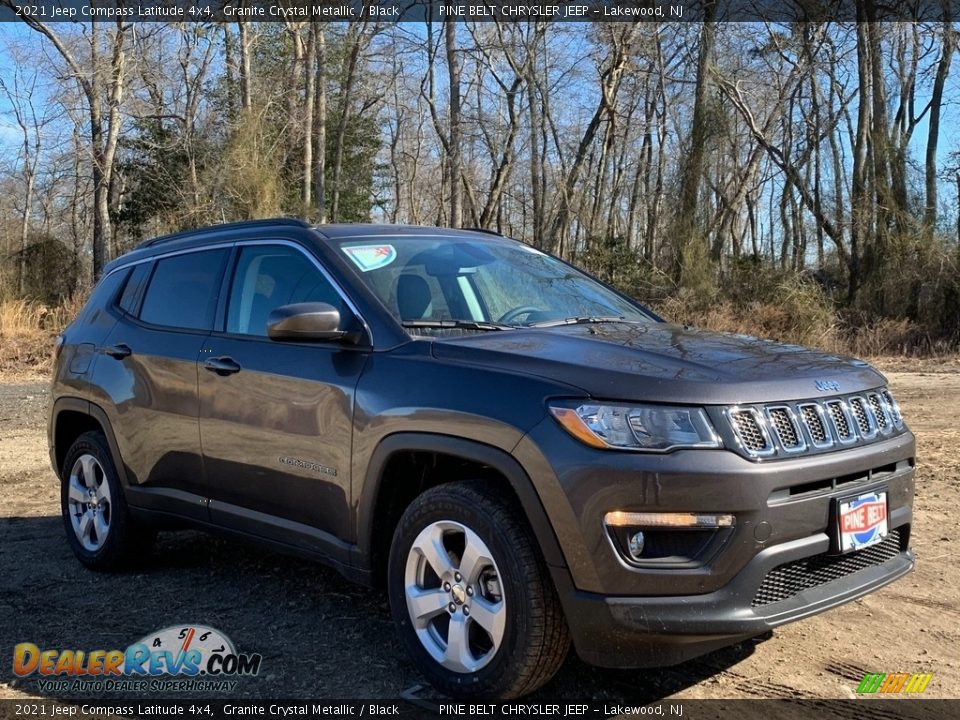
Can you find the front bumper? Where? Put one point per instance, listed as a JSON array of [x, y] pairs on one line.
[[632, 632], [628, 616]]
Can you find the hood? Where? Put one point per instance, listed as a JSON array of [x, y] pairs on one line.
[[662, 362]]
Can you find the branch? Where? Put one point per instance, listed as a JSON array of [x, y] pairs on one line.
[[59, 45]]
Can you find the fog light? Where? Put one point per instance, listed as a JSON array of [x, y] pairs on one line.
[[698, 521], [635, 545]]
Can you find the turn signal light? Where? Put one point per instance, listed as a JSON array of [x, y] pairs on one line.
[[696, 521]]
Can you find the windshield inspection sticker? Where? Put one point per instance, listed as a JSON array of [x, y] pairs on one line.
[[371, 257]]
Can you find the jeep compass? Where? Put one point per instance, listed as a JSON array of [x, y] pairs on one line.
[[522, 457]]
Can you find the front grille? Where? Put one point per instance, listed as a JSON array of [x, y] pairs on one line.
[[792, 578], [860, 415], [796, 428], [878, 412], [746, 424], [839, 417], [783, 423], [894, 408], [814, 424]]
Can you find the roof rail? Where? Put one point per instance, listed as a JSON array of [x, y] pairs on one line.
[[488, 231], [270, 222]]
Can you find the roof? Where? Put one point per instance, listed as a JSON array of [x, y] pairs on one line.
[[334, 231], [339, 231], [271, 222]]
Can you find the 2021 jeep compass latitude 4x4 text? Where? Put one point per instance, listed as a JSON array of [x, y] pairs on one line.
[[520, 455]]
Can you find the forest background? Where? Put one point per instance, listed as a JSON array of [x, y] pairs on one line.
[[799, 181]]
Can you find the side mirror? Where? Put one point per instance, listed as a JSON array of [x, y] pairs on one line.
[[305, 322]]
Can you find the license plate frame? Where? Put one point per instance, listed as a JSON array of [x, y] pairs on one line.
[[861, 520]]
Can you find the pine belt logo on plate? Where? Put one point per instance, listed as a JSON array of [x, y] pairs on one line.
[[863, 520], [180, 657]]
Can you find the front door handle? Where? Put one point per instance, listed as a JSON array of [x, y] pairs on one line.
[[222, 366], [118, 352]]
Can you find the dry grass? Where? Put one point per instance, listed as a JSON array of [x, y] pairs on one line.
[[27, 332], [803, 316], [800, 315], [890, 337]]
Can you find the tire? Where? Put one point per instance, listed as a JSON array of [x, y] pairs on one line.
[[510, 636], [98, 525]]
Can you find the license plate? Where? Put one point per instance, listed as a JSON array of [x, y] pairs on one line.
[[862, 520]]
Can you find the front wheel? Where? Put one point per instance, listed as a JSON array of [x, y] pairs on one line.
[[471, 596]]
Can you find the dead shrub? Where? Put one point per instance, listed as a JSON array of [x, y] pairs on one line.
[[792, 310], [27, 332]]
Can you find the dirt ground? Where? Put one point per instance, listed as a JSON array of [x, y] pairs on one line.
[[323, 637]]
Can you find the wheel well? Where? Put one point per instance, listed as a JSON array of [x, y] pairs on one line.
[[406, 475], [71, 424]]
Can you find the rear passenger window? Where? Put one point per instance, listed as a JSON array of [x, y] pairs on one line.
[[269, 276], [183, 290], [133, 290]]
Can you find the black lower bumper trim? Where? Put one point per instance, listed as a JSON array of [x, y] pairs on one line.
[[790, 579], [635, 632]]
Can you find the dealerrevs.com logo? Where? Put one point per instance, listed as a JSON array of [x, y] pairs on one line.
[[180, 657]]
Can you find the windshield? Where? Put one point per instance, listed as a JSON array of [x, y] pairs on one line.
[[484, 284]]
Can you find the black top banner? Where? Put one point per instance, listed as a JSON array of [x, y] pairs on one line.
[[777, 11]]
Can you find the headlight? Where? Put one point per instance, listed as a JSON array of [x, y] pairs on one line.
[[656, 428]]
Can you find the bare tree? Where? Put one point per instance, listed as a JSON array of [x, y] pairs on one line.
[[947, 49], [320, 123], [610, 76], [454, 149], [357, 40], [685, 233], [20, 97], [103, 105]]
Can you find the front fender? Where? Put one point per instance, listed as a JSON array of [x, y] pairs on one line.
[[471, 450]]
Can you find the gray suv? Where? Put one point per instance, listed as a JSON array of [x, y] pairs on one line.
[[521, 456]]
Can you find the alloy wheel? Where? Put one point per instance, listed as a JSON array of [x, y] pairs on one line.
[[454, 596], [89, 502]]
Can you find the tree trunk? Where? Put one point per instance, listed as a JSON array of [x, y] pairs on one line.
[[309, 97], [228, 69], [246, 41], [454, 151], [24, 232], [344, 110], [933, 136], [320, 126], [536, 121], [609, 87], [861, 215], [688, 253]]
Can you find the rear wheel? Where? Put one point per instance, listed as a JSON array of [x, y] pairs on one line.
[[98, 526], [471, 596]]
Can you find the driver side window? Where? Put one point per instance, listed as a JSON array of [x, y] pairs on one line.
[[268, 276]]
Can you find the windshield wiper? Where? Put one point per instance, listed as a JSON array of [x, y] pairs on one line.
[[581, 320], [460, 324]]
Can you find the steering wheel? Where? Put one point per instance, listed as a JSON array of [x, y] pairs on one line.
[[511, 315]]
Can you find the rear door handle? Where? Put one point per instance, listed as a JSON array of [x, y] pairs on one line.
[[118, 352], [222, 365]]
